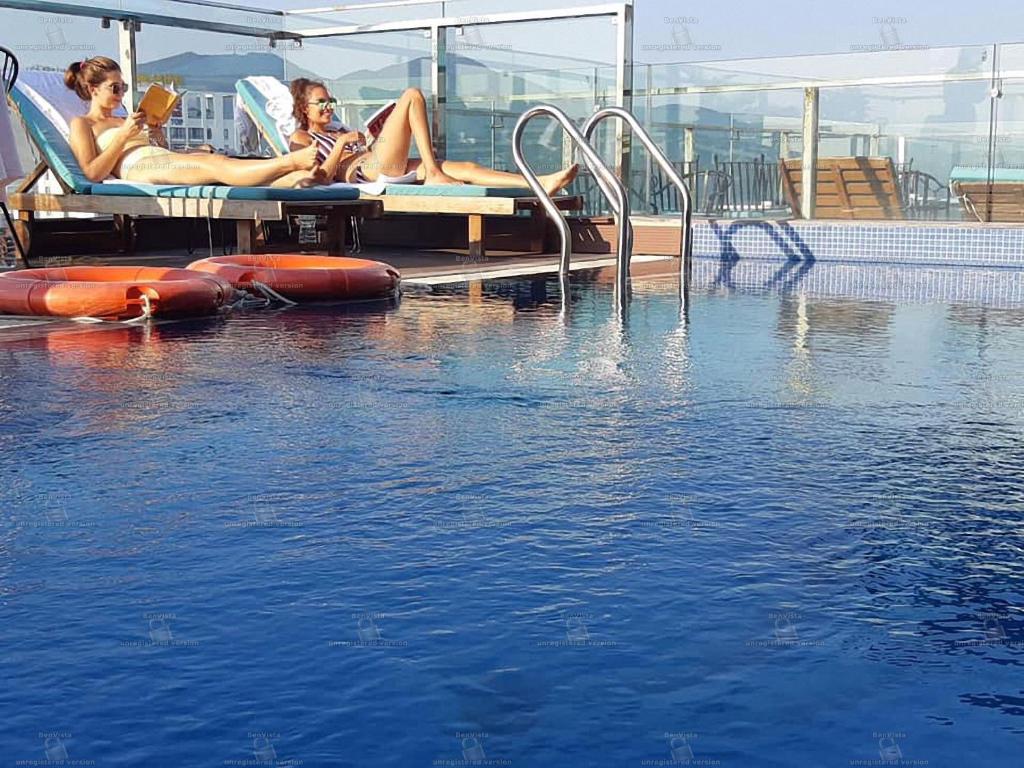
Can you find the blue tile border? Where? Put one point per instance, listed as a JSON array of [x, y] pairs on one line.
[[952, 284], [938, 243]]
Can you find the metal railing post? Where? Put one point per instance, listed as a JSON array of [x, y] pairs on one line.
[[809, 159], [439, 87], [127, 54], [623, 85]]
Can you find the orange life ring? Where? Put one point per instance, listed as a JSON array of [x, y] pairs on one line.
[[116, 293], [299, 277]]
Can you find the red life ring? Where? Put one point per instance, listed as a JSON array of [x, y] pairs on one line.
[[113, 293], [300, 277]]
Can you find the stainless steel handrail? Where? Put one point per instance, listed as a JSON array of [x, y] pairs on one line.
[[609, 184], [686, 200]]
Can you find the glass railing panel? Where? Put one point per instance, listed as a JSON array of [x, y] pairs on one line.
[[927, 132], [960, 61], [316, 16], [364, 72], [1000, 197], [205, 66], [45, 41], [496, 72], [235, 18], [52, 41], [727, 147]]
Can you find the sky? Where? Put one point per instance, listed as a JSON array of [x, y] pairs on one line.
[[665, 31]]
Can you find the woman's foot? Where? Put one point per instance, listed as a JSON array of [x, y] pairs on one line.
[[553, 182], [305, 158], [439, 177]]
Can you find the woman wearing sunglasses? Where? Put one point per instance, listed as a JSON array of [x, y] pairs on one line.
[[344, 156], [130, 149]]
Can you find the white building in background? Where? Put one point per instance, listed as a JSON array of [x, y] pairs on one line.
[[203, 118]]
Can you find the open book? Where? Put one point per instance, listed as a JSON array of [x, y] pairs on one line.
[[375, 123], [158, 103]]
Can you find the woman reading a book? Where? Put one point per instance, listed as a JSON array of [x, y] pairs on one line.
[[135, 149], [344, 155]]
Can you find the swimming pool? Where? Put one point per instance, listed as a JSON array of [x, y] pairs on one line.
[[468, 530]]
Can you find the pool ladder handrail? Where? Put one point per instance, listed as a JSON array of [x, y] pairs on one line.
[[610, 185], [685, 198]]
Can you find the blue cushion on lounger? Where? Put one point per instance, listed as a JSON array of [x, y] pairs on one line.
[[456, 190], [980, 173], [218, 192]]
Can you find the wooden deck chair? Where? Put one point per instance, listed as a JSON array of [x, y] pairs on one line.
[[847, 188], [268, 103], [41, 99], [989, 196]]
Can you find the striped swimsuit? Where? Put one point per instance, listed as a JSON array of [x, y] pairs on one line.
[[325, 142]]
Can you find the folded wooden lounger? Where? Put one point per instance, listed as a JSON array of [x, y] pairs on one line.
[[847, 188], [43, 102], [1002, 200], [267, 101]]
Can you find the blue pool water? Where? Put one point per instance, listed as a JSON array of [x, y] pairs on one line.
[[466, 530]]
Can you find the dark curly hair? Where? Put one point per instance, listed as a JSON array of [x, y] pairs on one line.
[[300, 88], [81, 74]]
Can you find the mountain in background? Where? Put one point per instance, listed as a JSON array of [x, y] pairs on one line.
[[218, 72], [470, 134]]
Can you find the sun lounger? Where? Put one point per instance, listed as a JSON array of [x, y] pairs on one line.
[[46, 107], [847, 188], [268, 103], [1002, 200]]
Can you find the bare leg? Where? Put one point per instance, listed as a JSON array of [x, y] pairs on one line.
[[301, 179], [390, 152], [471, 173], [175, 168]]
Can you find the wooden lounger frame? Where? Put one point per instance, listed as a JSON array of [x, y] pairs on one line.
[[474, 208], [1000, 201], [247, 214], [847, 188]]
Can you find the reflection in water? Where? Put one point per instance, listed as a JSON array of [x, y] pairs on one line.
[[799, 366], [561, 532]]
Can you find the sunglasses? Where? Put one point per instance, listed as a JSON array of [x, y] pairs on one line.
[[118, 89], [323, 104]]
